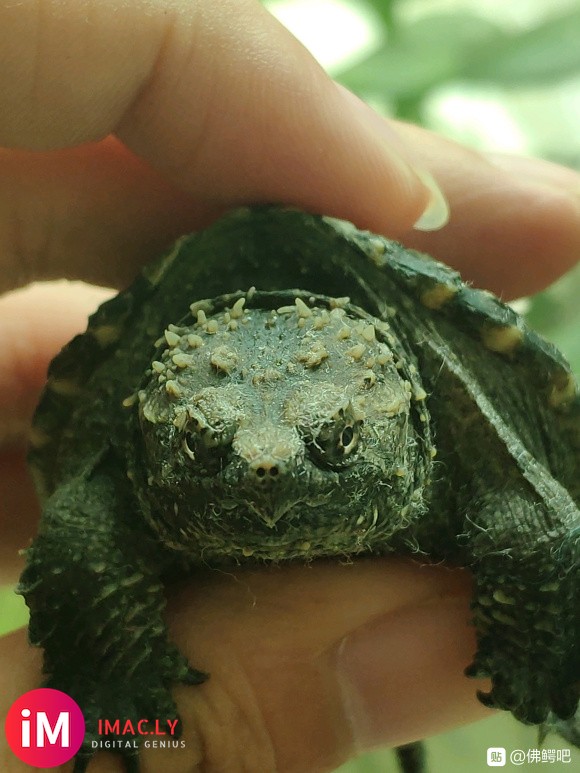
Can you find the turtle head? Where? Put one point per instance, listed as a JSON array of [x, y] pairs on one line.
[[277, 428]]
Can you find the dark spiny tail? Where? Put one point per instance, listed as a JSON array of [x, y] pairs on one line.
[[412, 757]]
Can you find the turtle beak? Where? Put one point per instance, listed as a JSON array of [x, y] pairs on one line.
[[271, 513]]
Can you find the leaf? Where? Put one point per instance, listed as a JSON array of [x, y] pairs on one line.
[[544, 54], [383, 10], [422, 55]]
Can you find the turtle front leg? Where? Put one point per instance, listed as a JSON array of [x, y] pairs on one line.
[[525, 556], [96, 601]]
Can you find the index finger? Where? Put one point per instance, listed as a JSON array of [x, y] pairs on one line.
[[230, 108], [218, 96]]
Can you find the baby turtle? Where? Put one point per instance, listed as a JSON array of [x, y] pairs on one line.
[[384, 406]]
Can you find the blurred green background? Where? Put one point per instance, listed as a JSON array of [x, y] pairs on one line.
[[500, 76]]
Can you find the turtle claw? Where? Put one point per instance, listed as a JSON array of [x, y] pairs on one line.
[[474, 671], [487, 699], [82, 762], [132, 764], [193, 676]]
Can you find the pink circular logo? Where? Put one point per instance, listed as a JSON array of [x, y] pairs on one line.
[[45, 728]]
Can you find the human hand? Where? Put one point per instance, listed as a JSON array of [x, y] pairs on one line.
[[218, 105]]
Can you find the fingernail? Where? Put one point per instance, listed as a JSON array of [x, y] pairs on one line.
[[436, 213], [401, 677], [537, 170]]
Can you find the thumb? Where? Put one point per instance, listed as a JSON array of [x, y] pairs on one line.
[[219, 97], [309, 665]]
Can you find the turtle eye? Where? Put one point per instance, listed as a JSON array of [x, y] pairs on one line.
[[336, 442], [208, 448]]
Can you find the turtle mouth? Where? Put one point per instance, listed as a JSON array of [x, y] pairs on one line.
[[271, 515], [268, 511], [271, 510], [262, 529]]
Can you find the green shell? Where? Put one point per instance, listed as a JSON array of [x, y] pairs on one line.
[[273, 248]]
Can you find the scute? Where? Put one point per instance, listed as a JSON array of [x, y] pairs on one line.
[[68, 374], [478, 312]]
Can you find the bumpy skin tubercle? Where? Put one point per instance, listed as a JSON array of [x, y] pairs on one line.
[[417, 415]]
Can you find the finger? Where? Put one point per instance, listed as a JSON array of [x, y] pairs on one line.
[[342, 675], [95, 212], [516, 222], [299, 681], [36, 322], [217, 96], [98, 212]]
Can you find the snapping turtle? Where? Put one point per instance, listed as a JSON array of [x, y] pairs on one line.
[[383, 406]]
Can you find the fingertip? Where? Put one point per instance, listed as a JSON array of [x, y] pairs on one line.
[[36, 322], [262, 122], [515, 224]]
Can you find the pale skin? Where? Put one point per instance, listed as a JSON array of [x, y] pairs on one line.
[[123, 126]]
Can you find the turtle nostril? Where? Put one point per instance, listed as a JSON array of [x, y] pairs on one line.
[[266, 470]]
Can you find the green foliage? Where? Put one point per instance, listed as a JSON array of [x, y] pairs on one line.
[[13, 611], [460, 46], [554, 313], [543, 55], [418, 57], [383, 10]]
